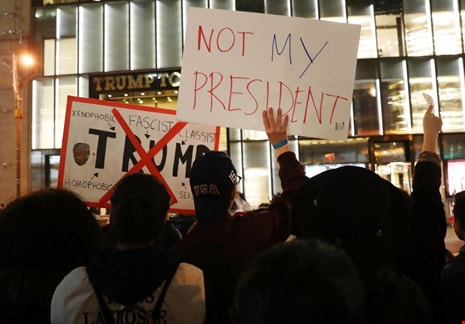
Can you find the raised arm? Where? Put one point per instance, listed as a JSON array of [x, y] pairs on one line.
[[291, 171], [276, 129], [431, 127], [429, 215]]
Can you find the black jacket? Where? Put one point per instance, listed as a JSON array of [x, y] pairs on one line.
[[424, 256], [453, 285]]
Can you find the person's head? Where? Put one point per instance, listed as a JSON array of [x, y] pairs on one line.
[[355, 208], [459, 214], [213, 180], [137, 185], [301, 281], [48, 230], [140, 204]]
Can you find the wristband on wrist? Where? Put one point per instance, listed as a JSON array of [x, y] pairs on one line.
[[280, 144], [429, 157]]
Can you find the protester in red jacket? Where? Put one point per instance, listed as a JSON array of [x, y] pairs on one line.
[[222, 244]]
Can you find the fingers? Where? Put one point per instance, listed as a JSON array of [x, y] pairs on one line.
[[278, 118], [429, 110], [265, 119], [286, 121], [271, 122], [268, 119]]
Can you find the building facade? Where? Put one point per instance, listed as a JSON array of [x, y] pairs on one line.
[[406, 48], [15, 39]]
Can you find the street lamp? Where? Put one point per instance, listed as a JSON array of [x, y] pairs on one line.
[[18, 85]]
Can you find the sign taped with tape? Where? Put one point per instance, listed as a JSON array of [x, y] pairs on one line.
[[104, 140]]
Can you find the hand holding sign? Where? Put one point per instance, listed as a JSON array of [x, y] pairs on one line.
[[428, 98]]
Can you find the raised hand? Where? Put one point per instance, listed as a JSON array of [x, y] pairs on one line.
[[431, 127], [276, 128]]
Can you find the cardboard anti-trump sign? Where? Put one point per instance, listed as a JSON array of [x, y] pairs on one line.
[[237, 64], [103, 141]]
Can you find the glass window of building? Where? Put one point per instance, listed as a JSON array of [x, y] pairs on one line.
[[90, 39], [49, 47], [66, 86], [352, 150], [453, 147], [392, 162], [365, 104], [45, 35], [395, 97], [223, 4], [277, 7], [450, 89], [170, 34], [321, 155], [43, 114], [333, 10], [462, 19], [418, 30], [304, 8], [116, 41], [66, 22], [142, 35], [364, 16], [389, 35], [67, 56], [257, 182], [446, 27], [66, 44], [422, 76]]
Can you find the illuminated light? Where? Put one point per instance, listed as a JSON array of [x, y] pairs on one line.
[[142, 93], [159, 92], [125, 94], [27, 60], [109, 96]]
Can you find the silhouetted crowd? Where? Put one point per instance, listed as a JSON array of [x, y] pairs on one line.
[[344, 246]]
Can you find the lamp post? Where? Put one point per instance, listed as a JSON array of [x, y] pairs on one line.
[[18, 118], [18, 81], [26, 60]]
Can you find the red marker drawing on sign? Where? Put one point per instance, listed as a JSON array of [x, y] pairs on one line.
[[146, 157]]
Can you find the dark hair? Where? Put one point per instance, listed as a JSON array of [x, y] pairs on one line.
[[140, 204], [48, 230], [140, 184], [303, 281], [459, 207], [333, 206], [137, 220]]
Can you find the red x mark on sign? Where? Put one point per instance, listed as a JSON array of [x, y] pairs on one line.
[[145, 157]]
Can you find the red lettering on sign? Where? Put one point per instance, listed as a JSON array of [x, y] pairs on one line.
[[225, 40], [146, 157], [301, 104]]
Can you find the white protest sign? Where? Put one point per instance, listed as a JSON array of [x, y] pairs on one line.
[[237, 64], [103, 141]]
